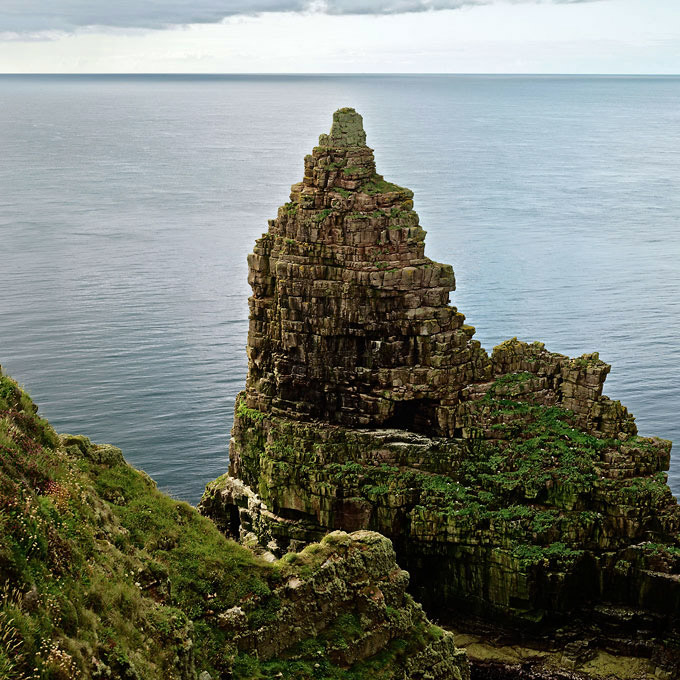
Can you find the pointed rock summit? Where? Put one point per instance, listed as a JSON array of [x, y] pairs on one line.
[[350, 323], [347, 130], [349, 319]]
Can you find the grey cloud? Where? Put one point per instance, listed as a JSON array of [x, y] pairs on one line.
[[65, 15], [34, 16]]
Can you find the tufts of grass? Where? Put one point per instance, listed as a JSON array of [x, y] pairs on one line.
[[101, 575], [378, 185]]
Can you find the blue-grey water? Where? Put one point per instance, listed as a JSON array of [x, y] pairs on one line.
[[128, 205]]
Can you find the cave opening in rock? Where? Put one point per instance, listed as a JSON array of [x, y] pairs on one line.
[[233, 522], [415, 415]]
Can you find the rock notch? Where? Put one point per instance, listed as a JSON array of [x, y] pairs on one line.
[[510, 485]]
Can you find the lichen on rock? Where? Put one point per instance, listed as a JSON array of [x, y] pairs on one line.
[[511, 486]]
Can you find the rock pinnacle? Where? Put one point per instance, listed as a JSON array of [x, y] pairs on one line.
[[347, 130], [511, 486]]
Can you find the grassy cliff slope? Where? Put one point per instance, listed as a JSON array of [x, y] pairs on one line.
[[103, 576]]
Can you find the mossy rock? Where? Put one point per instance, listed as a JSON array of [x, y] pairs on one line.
[[102, 454]]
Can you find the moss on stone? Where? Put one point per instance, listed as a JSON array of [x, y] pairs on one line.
[[378, 185]]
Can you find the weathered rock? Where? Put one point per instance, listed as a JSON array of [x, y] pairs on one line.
[[510, 485], [349, 593], [105, 454]]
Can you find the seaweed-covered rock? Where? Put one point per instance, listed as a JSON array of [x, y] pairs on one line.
[[511, 487]]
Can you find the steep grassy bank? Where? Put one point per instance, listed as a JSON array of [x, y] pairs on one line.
[[102, 576]]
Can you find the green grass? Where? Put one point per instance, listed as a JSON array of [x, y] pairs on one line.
[[321, 216], [559, 553], [378, 185], [119, 571], [250, 413], [101, 575]]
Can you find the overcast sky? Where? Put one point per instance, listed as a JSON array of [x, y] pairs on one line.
[[341, 36]]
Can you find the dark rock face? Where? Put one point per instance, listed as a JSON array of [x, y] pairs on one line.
[[510, 486]]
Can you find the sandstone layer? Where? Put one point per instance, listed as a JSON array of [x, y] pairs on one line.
[[511, 487]]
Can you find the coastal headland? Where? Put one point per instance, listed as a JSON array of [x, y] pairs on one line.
[[380, 457]]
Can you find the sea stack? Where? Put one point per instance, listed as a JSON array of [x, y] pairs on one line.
[[512, 489], [350, 322]]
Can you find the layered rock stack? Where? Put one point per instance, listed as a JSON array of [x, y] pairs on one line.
[[350, 323], [508, 483], [348, 317]]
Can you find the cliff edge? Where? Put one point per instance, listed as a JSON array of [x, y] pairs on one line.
[[103, 576], [513, 490]]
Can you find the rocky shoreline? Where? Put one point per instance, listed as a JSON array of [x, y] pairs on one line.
[[380, 457]]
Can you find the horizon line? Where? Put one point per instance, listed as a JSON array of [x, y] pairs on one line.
[[337, 73]]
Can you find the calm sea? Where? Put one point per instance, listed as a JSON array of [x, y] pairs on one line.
[[128, 205]]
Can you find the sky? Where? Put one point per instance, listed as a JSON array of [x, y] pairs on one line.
[[341, 36]]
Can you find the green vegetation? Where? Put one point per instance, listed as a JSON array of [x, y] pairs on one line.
[[509, 380], [321, 216], [519, 478], [535, 447], [529, 555], [542, 444], [672, 551], [101, 575], [378, 185], [244, 412], [329, 646], [586, 360], [103, 566]]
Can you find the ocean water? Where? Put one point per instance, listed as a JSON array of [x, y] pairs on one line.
[[128, 206]]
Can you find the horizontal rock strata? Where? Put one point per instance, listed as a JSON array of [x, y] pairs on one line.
[[509, 484]]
